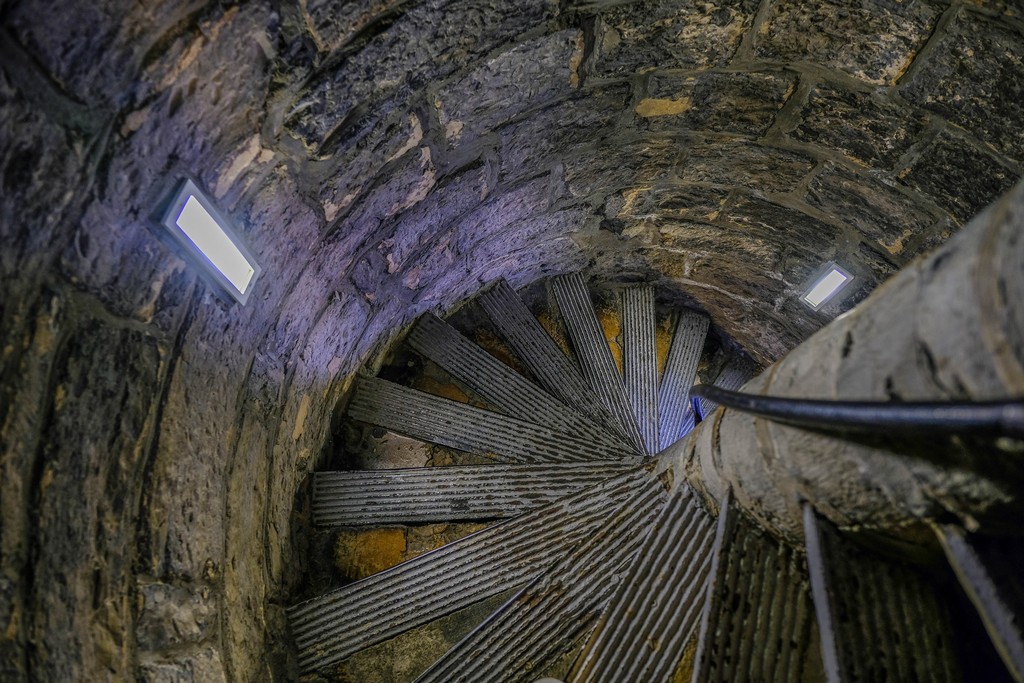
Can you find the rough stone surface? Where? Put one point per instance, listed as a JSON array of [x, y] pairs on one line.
[[961, 178], [877, 210], [692, 202], [682, 35], [868, 129], [531, 76], [203, 667], [427, 42], [972, 78], [174, 615], [875, 42], [758, 168], [538, 142], [742, 103], [333, 25], [78, 607]]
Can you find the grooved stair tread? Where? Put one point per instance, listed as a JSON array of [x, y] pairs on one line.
[[333, 626], [539, 352], [640, 359], [873, 611], [449, 494], [449, 423], [591, 348]]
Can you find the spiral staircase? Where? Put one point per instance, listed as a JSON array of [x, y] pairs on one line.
[[599, 563]]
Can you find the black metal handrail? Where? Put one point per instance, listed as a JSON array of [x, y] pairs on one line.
[[1004, 418]]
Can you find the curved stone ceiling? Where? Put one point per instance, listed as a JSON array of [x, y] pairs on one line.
[[383, 158], [724, 149]]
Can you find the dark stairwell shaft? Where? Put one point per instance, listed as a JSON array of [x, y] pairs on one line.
[[950, 326]]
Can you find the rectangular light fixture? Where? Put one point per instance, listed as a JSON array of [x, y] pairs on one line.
[[830, 281], [199, 227]]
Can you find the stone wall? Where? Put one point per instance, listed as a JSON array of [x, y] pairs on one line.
[[382, 158]]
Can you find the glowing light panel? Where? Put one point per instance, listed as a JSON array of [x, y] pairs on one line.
[[197, 225], [204, 231], [826, 287]]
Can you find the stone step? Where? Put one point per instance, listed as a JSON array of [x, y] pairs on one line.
[[640, 359], [592, 350], [656, 608], [758, 618], [878, 619], [540, 624], [449, 494], [676, 416], [449, 423], [329, 628], [499, 385], [539, 352], [989, 569]]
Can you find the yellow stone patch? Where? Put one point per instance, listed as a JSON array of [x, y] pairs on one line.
[[612, 328], [47, 479], [662, 342], [437, 388], [551, 326], [358, 554], [575, 59], [684, 672], [648, 107], [415, 137], [630, 197], [300, 419], [496, 346]]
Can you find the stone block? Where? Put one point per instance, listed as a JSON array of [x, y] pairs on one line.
[[755, 263], [866, 128], [325, 359], [973, 78], [204, 666], [530, 75], [421, 234], [687, 202], [34, 324], [426, 43], [741, 103], [131, 267], [748, 287], [334, 24], [474, 239], [501, 215], [679, 35], [94, 49], [408, 183], [39, 169], [100, 422], [528, 233], [875, 42], [340, 179], [959, 177], [243, 610], [184, 506], [796, 228], [286, 233], [532, 145], [174, 615], [879, 212], [757, 167], [596, 173]]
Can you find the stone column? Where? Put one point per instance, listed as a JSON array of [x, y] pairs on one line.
[[950, 326]]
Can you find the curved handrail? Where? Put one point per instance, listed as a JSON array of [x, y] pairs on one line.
[[1005, 418]]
